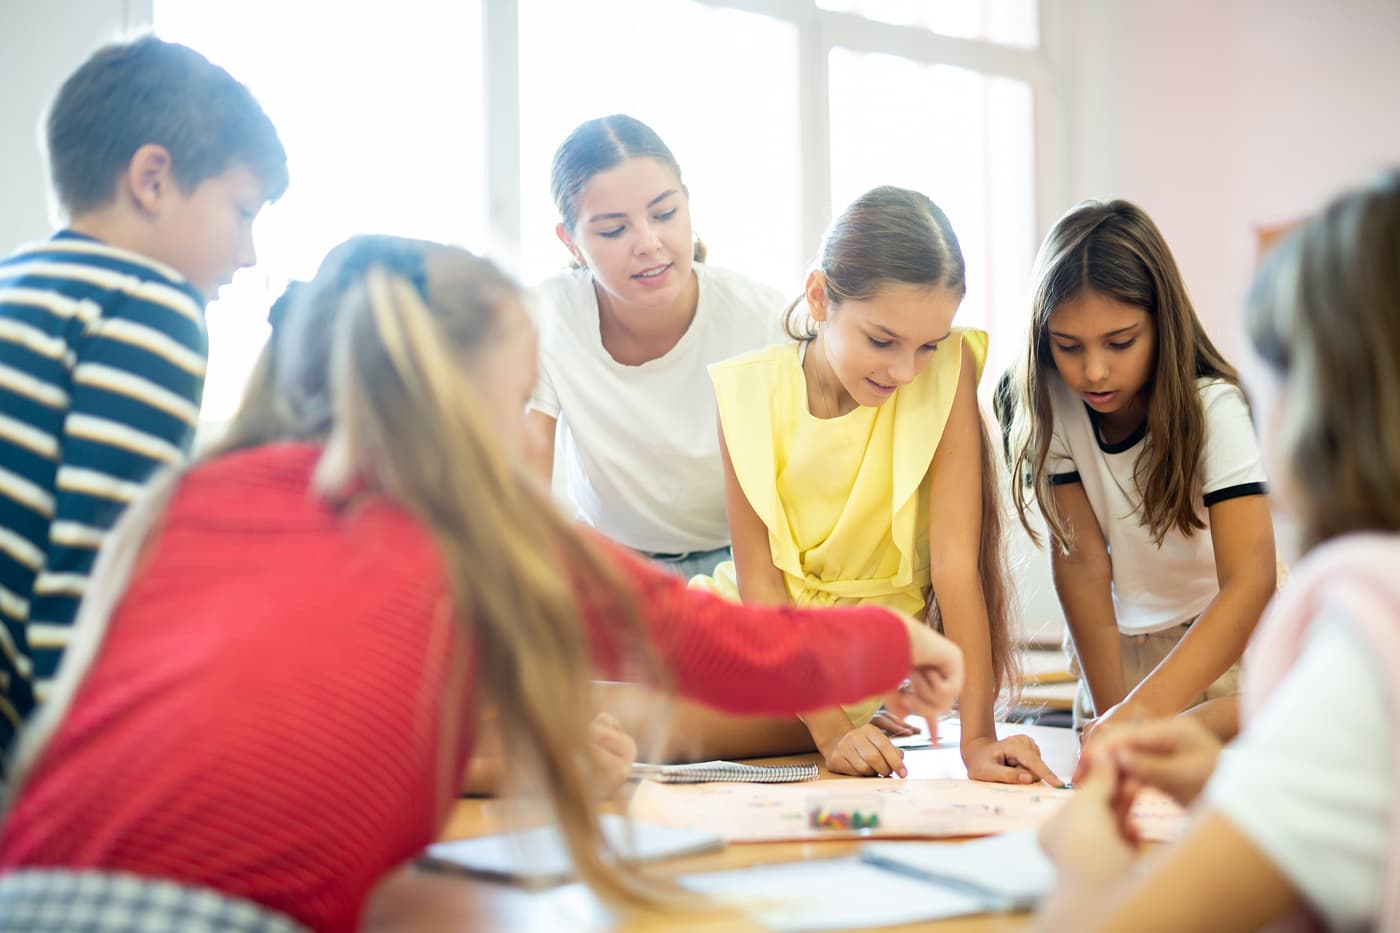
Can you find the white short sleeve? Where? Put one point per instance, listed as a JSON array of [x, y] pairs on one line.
[[1309, 781], [1059, 461], [1231, 464], [637, 450], [540, 307], [545, 399]]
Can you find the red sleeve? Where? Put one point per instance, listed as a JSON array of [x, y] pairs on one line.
[[763, 660]]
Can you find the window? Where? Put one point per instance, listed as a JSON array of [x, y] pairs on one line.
[[1012, 22], [438, 120], [380, 108], [962, 138], [730, 120]]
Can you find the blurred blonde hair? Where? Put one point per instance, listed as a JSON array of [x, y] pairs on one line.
[[373, 361]]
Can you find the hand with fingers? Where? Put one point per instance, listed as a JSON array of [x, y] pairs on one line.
[[864, 751], [890, 724], [935, 678], [1122, 714], [1012, 760], [1091, 838], [1177, 756], [612, 752]]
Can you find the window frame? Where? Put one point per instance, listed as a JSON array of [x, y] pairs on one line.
[[819, 32]]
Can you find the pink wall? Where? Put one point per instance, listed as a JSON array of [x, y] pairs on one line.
[[1216, 116], [1221, 116]]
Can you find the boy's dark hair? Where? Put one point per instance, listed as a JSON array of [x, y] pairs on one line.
[[144, 91]]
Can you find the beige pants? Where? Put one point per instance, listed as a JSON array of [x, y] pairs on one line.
[[1141, 655]]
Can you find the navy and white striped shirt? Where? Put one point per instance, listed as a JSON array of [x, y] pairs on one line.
[[102, 358]]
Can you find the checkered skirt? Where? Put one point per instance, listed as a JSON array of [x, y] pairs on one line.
[[65, 901]]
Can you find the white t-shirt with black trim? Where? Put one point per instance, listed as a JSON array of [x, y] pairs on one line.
[[638, 446], [1155, 586]]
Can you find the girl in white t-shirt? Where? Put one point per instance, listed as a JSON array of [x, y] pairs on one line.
[[625, 339], [1136, 442], [1297, 816]]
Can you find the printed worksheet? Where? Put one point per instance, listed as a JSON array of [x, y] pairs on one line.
[[855, 808]]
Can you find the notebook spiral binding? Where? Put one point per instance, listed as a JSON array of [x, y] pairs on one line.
[[707, 771]]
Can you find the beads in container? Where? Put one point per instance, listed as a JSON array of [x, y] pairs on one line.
[[834, 815]]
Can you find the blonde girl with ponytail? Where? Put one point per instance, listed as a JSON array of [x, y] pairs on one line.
[[281, 666]]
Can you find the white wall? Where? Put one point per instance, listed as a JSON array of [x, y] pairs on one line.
[[41, 41]]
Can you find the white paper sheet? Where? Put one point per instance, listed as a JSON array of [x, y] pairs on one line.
[[1010, 868], [832, 894], [537, 856]]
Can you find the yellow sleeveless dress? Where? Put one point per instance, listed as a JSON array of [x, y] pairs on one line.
[[845, 499]]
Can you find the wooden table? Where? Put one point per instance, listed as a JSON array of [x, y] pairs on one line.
[[1045, 665], [1048, 696], [419, 900], [1046, 682]]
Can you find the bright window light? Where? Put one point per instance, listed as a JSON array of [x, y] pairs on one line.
[[380, 108], [731, 118], [965, 140], [1008, 22]]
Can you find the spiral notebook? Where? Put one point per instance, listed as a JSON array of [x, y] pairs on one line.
[[705, 771]]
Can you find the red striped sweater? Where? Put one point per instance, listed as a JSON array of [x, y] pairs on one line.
[[266, 714]]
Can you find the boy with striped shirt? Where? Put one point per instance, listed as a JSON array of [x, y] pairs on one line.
[[160, 161]]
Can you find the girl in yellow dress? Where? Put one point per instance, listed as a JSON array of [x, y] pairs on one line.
[[858, 469]]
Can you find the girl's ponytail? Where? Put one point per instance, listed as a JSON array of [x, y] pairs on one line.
[[408, 419]]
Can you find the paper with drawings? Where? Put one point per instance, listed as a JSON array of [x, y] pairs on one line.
[[906, 809]]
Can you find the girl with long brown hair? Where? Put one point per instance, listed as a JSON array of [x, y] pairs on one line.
[[279, 670], [1132, 436], [1298, 815]]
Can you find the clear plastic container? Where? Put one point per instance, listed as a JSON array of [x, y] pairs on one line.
[[844, 813]]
